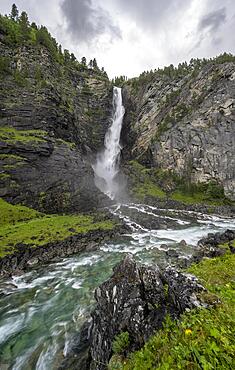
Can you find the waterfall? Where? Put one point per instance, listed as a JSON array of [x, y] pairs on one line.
[[106, 167]]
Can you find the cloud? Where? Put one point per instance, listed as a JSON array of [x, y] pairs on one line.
[[86, 22], [209, 25], [150, 14], [212, 21]]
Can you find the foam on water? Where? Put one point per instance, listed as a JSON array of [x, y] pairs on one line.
[[43, 309]]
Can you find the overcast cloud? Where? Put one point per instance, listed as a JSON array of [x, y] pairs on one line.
[[130, 36]]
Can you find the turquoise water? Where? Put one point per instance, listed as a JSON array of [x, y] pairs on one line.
[[42, 310]]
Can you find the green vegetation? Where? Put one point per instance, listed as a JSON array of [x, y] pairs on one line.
[[121, 342], [4, 176], [19, 224], [11, 135], [148, 189], [11, 157], [4, 65], [210, 193], [158, 183], [143, 185], [10, 214], [11, 161], [204, 338], [68, 143], [183, 69], [17, 31]]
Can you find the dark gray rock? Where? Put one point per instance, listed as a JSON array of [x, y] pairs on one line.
[[209, 246], [73, 108], [136, 299], [26, 257]]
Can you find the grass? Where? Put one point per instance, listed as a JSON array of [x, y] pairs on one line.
[[204, 338], [148, 189], [158, 183], [196, 198], [21, 224], [10, 214], [142, 182], [10, 135]]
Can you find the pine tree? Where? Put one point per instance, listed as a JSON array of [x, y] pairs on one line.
[[95, 65], [14, 13], [24, 25], [83, 61], [66, 56], [34, 26], [72, 57]]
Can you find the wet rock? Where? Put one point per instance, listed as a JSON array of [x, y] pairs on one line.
[[172, 253], [209, 245], [182, 291], [33, 261], [25, 257], [78, 355], [232, 249], [136, 299]]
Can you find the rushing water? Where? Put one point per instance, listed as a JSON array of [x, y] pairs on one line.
[[42, 310], [107, 164]]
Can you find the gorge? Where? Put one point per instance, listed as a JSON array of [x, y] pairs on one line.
[[137, 174]]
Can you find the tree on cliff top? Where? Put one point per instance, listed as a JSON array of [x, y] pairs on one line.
[[14, 13]]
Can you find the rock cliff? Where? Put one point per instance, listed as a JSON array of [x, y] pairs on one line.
[[183, 121], [53, 119]]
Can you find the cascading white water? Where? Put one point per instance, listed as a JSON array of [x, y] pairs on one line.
[[107, 164]]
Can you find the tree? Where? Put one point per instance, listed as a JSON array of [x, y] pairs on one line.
[[34, 26], [24, 25], [83, 61], [91, 64], [14, 13], [44, 38], [72, 57], [66, 56], [95, 65]]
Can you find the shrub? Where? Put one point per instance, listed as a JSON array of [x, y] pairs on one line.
[[121, 342]]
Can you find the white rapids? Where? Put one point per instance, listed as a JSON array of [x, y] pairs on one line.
[[106, 167], [42, 311]]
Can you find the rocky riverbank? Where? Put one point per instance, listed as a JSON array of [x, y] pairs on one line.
[[29, 238], [134, 303], [26, 256]]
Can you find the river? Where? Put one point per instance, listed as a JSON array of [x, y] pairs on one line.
[[42, 310]]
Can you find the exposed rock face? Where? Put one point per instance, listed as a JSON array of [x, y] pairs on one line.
[[51, 176], [185, 124], [136, 299], [70, 108]]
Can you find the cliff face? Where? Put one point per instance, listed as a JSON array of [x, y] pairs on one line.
[[184, 124], [53, 119]]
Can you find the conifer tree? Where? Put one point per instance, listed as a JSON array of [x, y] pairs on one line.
[[83, 61], [24, 25], [72, 57], [14, 13], [95, 65]]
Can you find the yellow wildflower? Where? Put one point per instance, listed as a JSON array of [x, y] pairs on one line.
[[188, 331]]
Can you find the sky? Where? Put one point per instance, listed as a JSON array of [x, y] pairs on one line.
[[128, 37]]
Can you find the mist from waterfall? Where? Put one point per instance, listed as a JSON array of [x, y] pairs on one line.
[[106, 167]]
